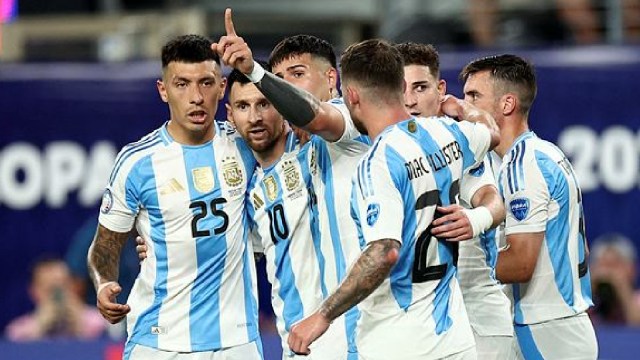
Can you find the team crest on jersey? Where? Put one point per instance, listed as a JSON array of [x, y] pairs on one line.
[[271, 186], [203, 179], [107, 202], [478, 170], [231, 172], [412, 126], [519, 208], [291, 175], [257, 202], [373, 211]]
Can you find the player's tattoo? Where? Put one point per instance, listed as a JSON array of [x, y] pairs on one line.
[[296, 105], [104, 255], [369, 271]]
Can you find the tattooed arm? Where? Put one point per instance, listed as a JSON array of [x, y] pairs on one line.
[[103, 261], [369, 271]]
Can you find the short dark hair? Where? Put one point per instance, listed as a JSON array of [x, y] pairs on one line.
[[513, 72], [420, 54], [302, 44], [235, 76], [374, 64], [188, 49]]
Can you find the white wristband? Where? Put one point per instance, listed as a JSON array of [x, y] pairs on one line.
[[102, 286], [480, 219], [257, 73]]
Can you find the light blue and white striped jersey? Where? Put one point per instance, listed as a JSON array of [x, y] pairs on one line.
[[301, 209], [413, 167], [488, 307], [196, 289], [541, 193]]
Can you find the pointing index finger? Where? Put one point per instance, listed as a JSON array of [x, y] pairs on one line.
[[228, 22]]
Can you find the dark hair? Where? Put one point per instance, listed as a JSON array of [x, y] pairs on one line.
[[513, 72], [188, 49], [374, 64], [236, 76], [420, 54], [302, 44]]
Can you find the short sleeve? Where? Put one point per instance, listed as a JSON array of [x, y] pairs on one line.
[[474, 179], [120, 202], [478, 138], [380, 207], [526, 196], [350, 131]]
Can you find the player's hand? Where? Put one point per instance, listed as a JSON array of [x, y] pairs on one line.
[[307, 331], [107, 305], [141, 248], [233, 50], [451, 106], [454, 225]]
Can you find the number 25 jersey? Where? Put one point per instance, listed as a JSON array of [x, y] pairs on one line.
[[196, 289]]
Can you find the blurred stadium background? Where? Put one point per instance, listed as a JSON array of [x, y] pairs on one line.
[[77, 82]]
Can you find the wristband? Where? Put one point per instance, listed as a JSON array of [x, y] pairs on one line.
[[257, 73], [102, 286], [480, 219]]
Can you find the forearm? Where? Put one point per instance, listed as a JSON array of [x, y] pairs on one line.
[[296, 105], [104, 255], [488, 197], [369, 271]]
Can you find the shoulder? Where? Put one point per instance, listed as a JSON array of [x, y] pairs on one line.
[[134, 152]]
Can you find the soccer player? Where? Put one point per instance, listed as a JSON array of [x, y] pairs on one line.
[[183, 187], [413, 307], [546, 251], [300, 237], [487, 305]]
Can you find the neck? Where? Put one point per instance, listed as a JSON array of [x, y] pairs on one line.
[[511, 129], [269, 156], [186, 137], [379, 118]]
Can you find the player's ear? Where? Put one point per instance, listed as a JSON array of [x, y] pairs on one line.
[[352, 96], [230, 114], [332, 77], [223, 87], [442, 88], [162, 90], [508, 103]]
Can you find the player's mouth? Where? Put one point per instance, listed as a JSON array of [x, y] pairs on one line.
[[415, 113], [198, 116], [257, 133]]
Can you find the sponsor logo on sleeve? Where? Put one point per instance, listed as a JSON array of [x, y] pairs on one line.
[[478, 170], [107, 202], [373, 211], [519, 208]]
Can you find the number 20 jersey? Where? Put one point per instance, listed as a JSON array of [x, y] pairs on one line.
[[196, 289], [412, 167]]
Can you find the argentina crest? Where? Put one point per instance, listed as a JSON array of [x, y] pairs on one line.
[[203, 179], [231, 171], [270, 187], [291, 175]]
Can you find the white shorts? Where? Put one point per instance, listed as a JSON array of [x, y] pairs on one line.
[[250, 351], [571, 338], [496, 347]]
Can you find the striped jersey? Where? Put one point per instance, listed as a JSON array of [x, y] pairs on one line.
[[412, 167], [542, 194], [488, 307], [196, 289], [301, 209]]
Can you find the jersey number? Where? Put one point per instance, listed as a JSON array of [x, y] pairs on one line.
[[201, 212], [422, 272], [278, 224]]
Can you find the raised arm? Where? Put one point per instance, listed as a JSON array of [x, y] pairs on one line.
[[369, 271], [103, 261], [296, 105], [464, 110]]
